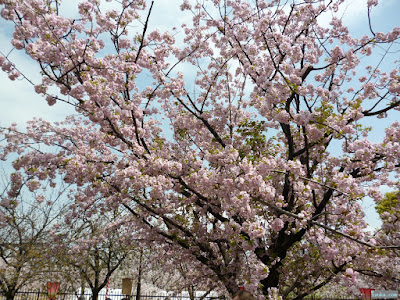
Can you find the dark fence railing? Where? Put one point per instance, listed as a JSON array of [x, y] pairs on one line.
[[112, 296], [73, 296], [312, 297]]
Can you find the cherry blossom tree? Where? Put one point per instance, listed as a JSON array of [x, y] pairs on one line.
[[176, 278], [90, 249], [154, 271], [26, 220], [237, 140], [383, 273]]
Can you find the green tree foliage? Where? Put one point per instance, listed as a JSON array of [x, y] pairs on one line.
[[388, 203]]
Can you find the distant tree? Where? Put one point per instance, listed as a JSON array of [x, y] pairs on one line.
[[380, 268], [389, 203], [170, 275], [197, 289], [91, 250], [26, 220]]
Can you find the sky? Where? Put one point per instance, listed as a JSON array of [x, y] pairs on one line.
[[19, 103]]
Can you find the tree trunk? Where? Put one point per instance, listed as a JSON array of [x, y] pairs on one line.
[[95, 294], [139, 279], [82, 295], [191, 292]]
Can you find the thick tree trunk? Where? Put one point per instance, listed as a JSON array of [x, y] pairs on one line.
[[272, 281]]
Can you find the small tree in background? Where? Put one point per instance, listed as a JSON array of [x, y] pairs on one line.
[[89, 249], [26, 219], [384, 271]]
